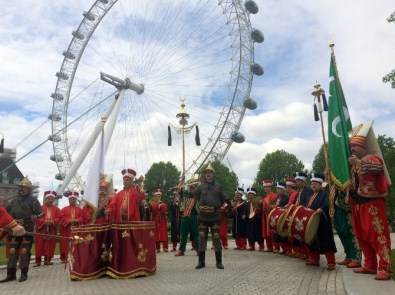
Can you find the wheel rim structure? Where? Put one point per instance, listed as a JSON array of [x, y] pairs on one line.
[[193, 49]]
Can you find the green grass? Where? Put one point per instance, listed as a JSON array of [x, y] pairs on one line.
[[3, 259]]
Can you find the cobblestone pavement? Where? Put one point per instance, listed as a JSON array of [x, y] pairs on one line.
[[246, 272]]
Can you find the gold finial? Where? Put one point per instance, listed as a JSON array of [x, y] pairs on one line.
[[317, 90], [331, 43], [183, 115]]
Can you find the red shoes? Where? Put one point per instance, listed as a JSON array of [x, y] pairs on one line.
[[179, 253], [382, 276], [331, 267], [364, 270], [346, 261], [353, 264]]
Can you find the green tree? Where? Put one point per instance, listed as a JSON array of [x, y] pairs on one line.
[[319, 160], [387, 146], [162, 175], [276, 166], [228, 179], [390, 78]]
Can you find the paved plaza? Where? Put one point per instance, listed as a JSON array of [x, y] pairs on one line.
[[245, 272]]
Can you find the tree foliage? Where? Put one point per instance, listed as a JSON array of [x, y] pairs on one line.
[[162, 175], [228, 179], [319, 160], [276, 166], [387, 146], [390, 78]]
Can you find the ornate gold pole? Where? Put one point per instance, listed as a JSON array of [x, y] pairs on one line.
[[183, 117], [317, 93]]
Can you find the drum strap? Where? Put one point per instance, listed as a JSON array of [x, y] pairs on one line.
[[312, 200]]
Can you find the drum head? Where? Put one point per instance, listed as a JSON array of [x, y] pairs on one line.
[[312, 227]]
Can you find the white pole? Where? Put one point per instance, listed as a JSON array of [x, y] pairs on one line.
[[85, 150], [112, 120]]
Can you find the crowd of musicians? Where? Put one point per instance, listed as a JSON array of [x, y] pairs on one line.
[[293, 218]]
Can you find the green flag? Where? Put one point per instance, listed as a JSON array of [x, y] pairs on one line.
[[339, 126]]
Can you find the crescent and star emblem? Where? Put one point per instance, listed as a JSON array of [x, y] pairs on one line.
[[337, 119]]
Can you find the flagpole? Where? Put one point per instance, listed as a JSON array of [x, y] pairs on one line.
[[319, 93], [332, 47]]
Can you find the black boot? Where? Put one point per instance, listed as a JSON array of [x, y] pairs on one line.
[[202, 256], [218, 257], [11, 275], [23, 274]]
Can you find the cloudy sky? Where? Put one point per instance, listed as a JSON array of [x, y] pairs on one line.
[[295, 54]]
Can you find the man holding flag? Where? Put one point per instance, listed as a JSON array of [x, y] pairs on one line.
[[368, 191], [339, 126]]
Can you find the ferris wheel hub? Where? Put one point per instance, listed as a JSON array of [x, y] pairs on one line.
[[122, 84]]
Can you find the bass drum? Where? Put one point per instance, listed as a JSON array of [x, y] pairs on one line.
[[276, 220], [90, 255], [285, 228], [133, 250], [304, 224]]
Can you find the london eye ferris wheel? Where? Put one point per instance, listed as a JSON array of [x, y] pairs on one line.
[[151, 54]]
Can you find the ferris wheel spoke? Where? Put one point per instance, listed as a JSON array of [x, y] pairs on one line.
[[175, 49]]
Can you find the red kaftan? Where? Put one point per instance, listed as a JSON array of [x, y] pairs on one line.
[[126, 203], [70, 215], [46, 246]]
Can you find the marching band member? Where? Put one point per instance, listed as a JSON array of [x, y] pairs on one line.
[[145, 209], [212, 199], [72, 215], [47, 224], [189, 222], [8, 224], [159, 211], [254, 223], [175, 220], [370, 187], [124, 206], [239, 222], [25, 209], [324, 242], [281, 201], [304, 192], [294, 244], [268, 201]]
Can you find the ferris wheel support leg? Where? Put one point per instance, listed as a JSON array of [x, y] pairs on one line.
[[112, 120], [87, 147]]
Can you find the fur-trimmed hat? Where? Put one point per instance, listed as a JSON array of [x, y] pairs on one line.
[[290, 181], [300, 176], [49, 194], [317, 177], [73, 195], [130, 173], [251, 190], [281, 185], [240, 190], [267, 183]]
